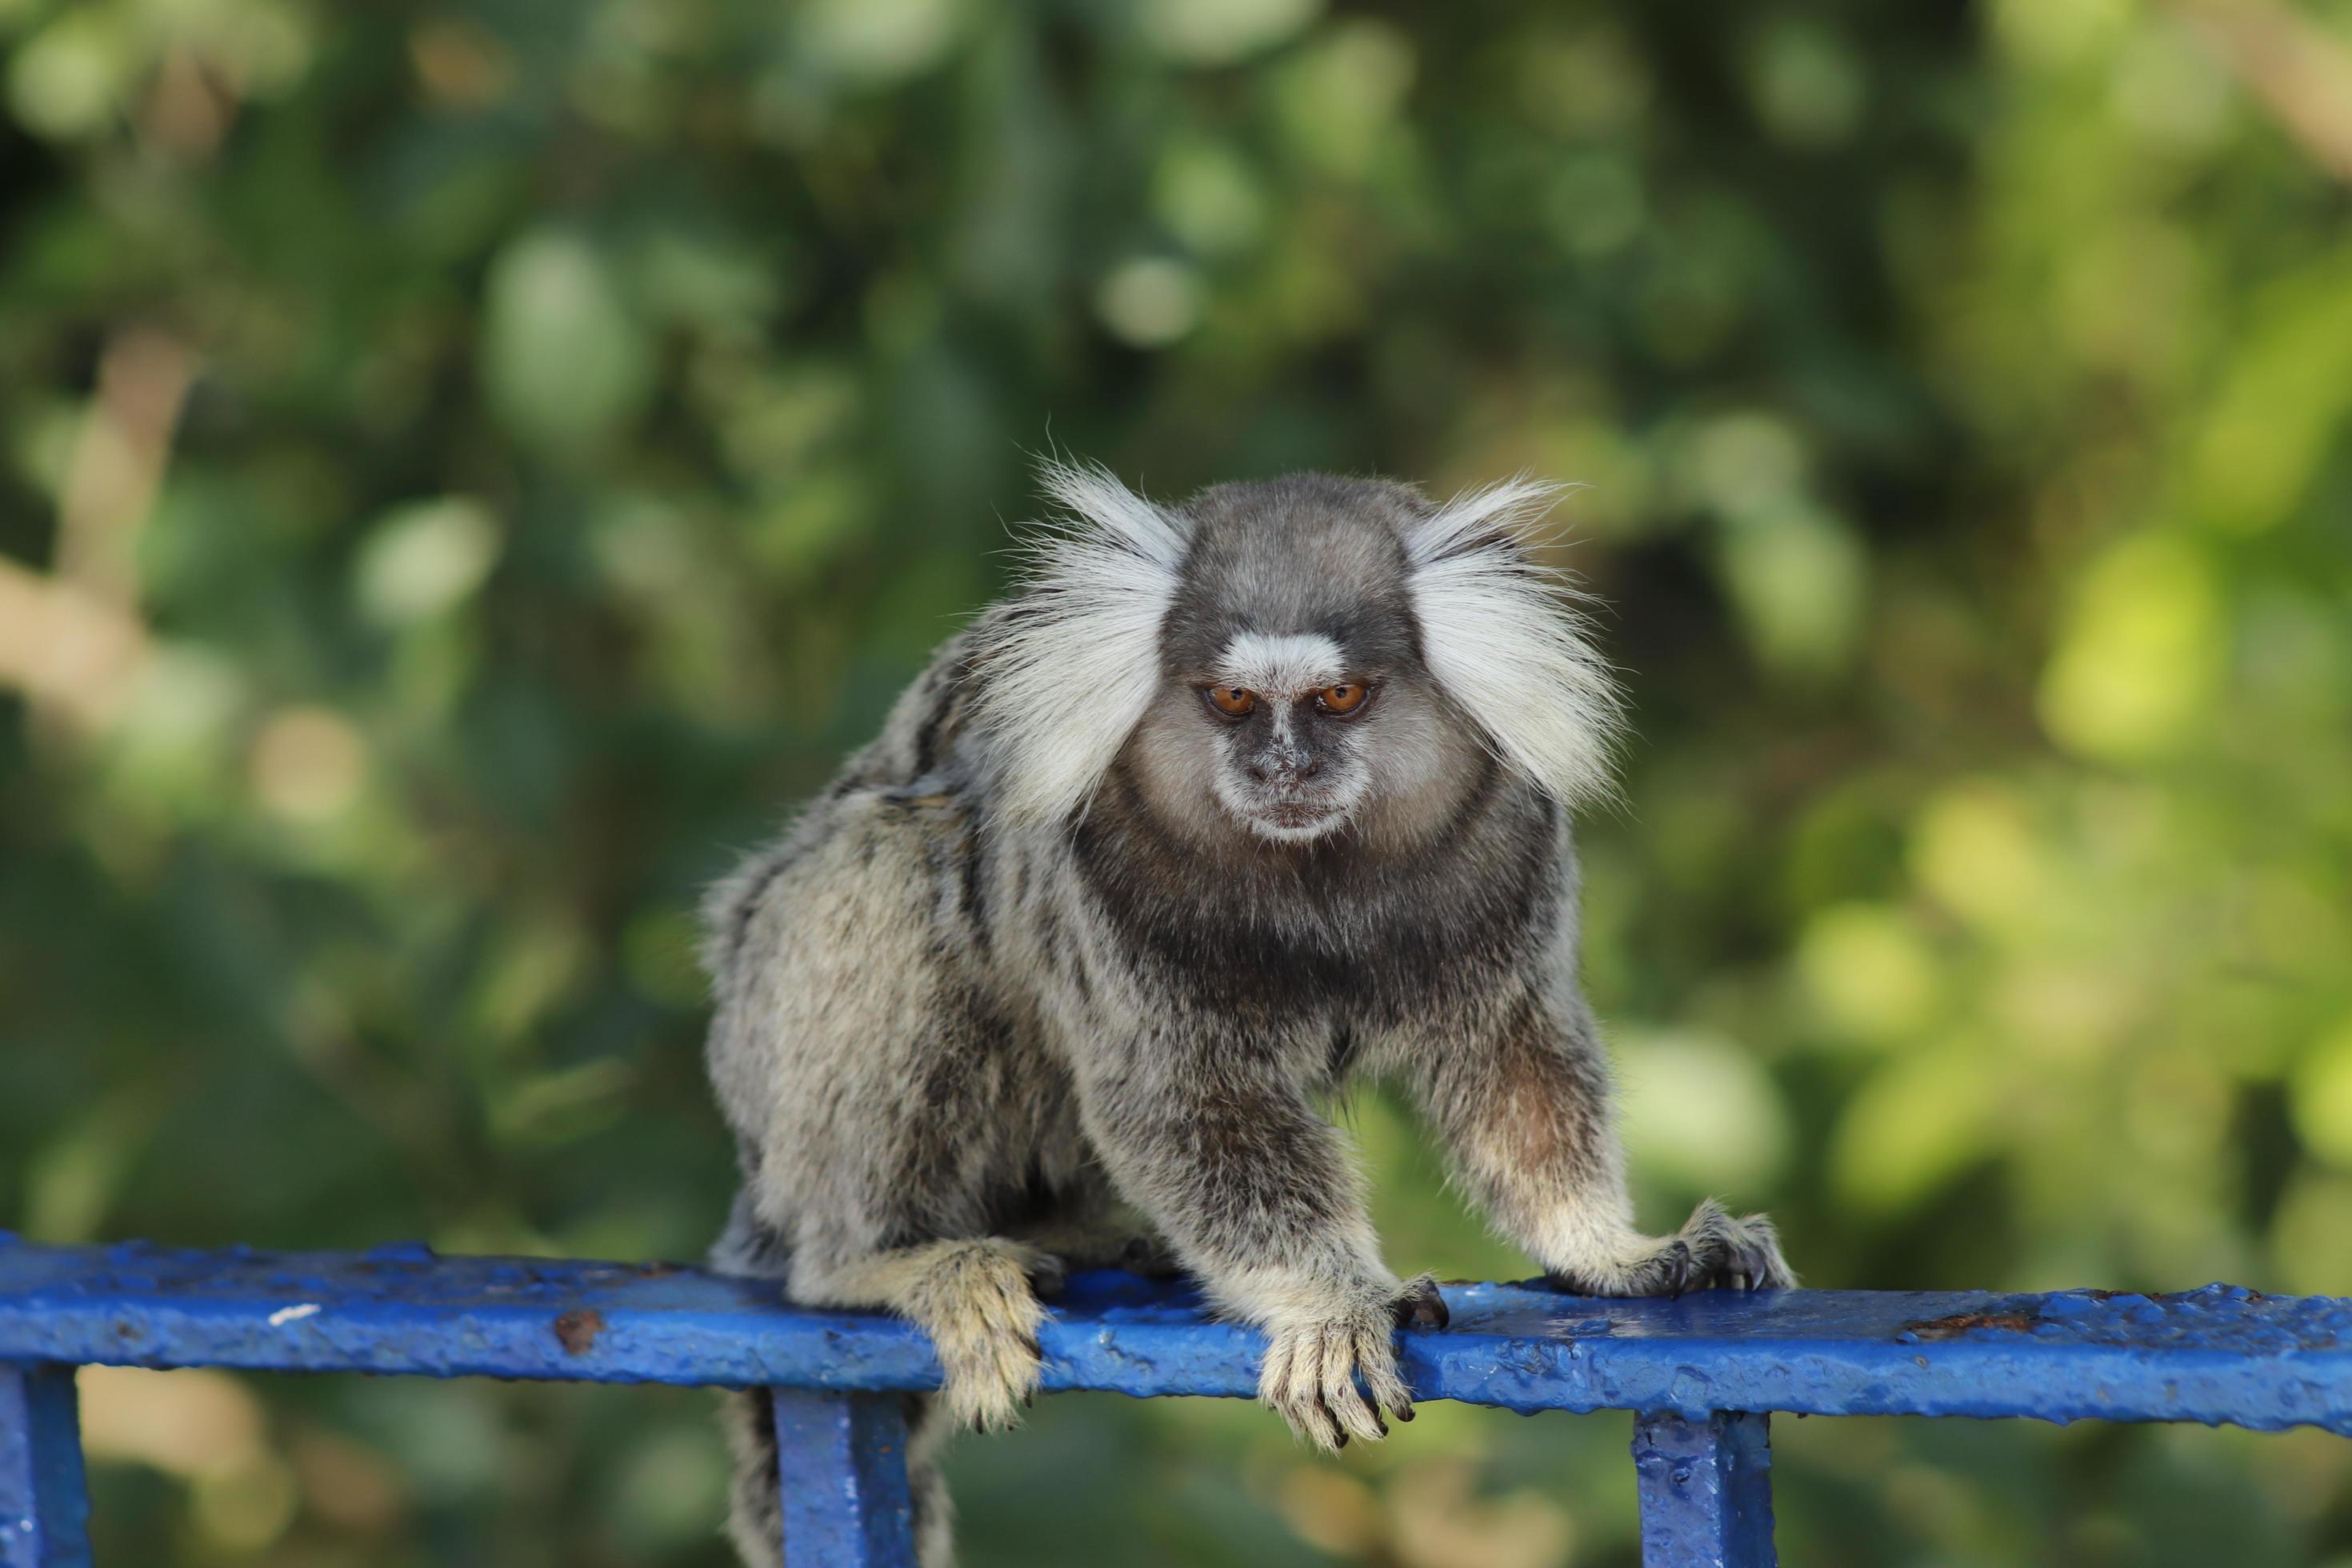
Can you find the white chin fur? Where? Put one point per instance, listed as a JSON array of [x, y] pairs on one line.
[[1283, 832], [1251, 814]]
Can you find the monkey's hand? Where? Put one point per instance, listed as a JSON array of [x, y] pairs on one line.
[[1712, 1251], [1331, 1377], [976, 1300]]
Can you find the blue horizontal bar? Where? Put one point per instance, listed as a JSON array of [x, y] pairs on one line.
[[2216, 1355]]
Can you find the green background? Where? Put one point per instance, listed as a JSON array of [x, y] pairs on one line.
[[468, 467]]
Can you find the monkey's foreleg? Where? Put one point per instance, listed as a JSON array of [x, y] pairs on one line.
[[1263, 1203], [1523, 1103], [975, 1301]]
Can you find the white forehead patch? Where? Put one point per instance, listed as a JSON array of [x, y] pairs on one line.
[[1282, 666]]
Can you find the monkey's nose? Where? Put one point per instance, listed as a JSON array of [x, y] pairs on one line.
[[1283, 767]]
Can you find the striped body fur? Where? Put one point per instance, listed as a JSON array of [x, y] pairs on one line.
[[1234, 802]]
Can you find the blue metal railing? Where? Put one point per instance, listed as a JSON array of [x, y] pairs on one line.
[[1701, 1374]]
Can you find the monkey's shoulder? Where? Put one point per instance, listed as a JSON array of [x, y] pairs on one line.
[[929, 728]]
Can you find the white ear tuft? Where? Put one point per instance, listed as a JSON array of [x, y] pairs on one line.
[[1504, 639], [1072, 664]]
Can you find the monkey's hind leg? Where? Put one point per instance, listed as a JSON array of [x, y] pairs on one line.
[[972, 1296], [755, 1516]]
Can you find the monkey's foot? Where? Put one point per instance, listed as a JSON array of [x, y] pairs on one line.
[[1137, 1252], [1712, 1251], [1150, 1255], [1316, 1375], [1047, 1271], [1419, 1306], [1072, 1248], [976, 1301]]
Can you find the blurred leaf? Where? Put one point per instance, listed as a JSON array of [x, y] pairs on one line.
[[1701, 1111], [2142, 654], [68, 78], [422, 559], [77, 1174], [1915, 1124], [1341, 96], [1798, 578], [873, 42], [2287, 394], [1151, 301], [1974, 849], [564, 359], [1869, 971], [2322, 1102], [1219, 32]]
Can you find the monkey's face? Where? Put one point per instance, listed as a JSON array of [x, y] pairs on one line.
[[1294, 702], [1286, 716], [1288, 738]]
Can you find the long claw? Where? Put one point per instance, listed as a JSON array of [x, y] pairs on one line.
[[1340, 1396], [1678, 1269], [1341, 1419]]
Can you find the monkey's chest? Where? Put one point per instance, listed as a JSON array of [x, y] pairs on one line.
[[1343, 982], [1329, 939]]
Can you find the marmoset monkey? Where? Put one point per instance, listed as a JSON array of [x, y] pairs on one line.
[[1236, 800]]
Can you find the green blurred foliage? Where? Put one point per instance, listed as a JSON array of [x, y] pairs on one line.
[[469, 466]]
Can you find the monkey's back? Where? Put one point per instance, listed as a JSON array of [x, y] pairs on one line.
[[872, 1043]]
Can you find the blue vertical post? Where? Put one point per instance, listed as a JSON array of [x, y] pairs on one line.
[[841, 1460], [44, 1504], [1707, 1490]]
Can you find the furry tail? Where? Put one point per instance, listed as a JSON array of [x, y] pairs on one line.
[[755, 1518]]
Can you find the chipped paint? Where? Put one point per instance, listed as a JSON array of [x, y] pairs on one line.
[[576, 1330]]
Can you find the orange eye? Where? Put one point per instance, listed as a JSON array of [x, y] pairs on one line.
[[1345, 697], [1232, 701]]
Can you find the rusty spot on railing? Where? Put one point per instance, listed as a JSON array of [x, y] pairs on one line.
[[2016, 1322], [576, 1330]]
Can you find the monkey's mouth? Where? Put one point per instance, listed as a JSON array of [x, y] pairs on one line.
[[1290, 810], [1298, 816]]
